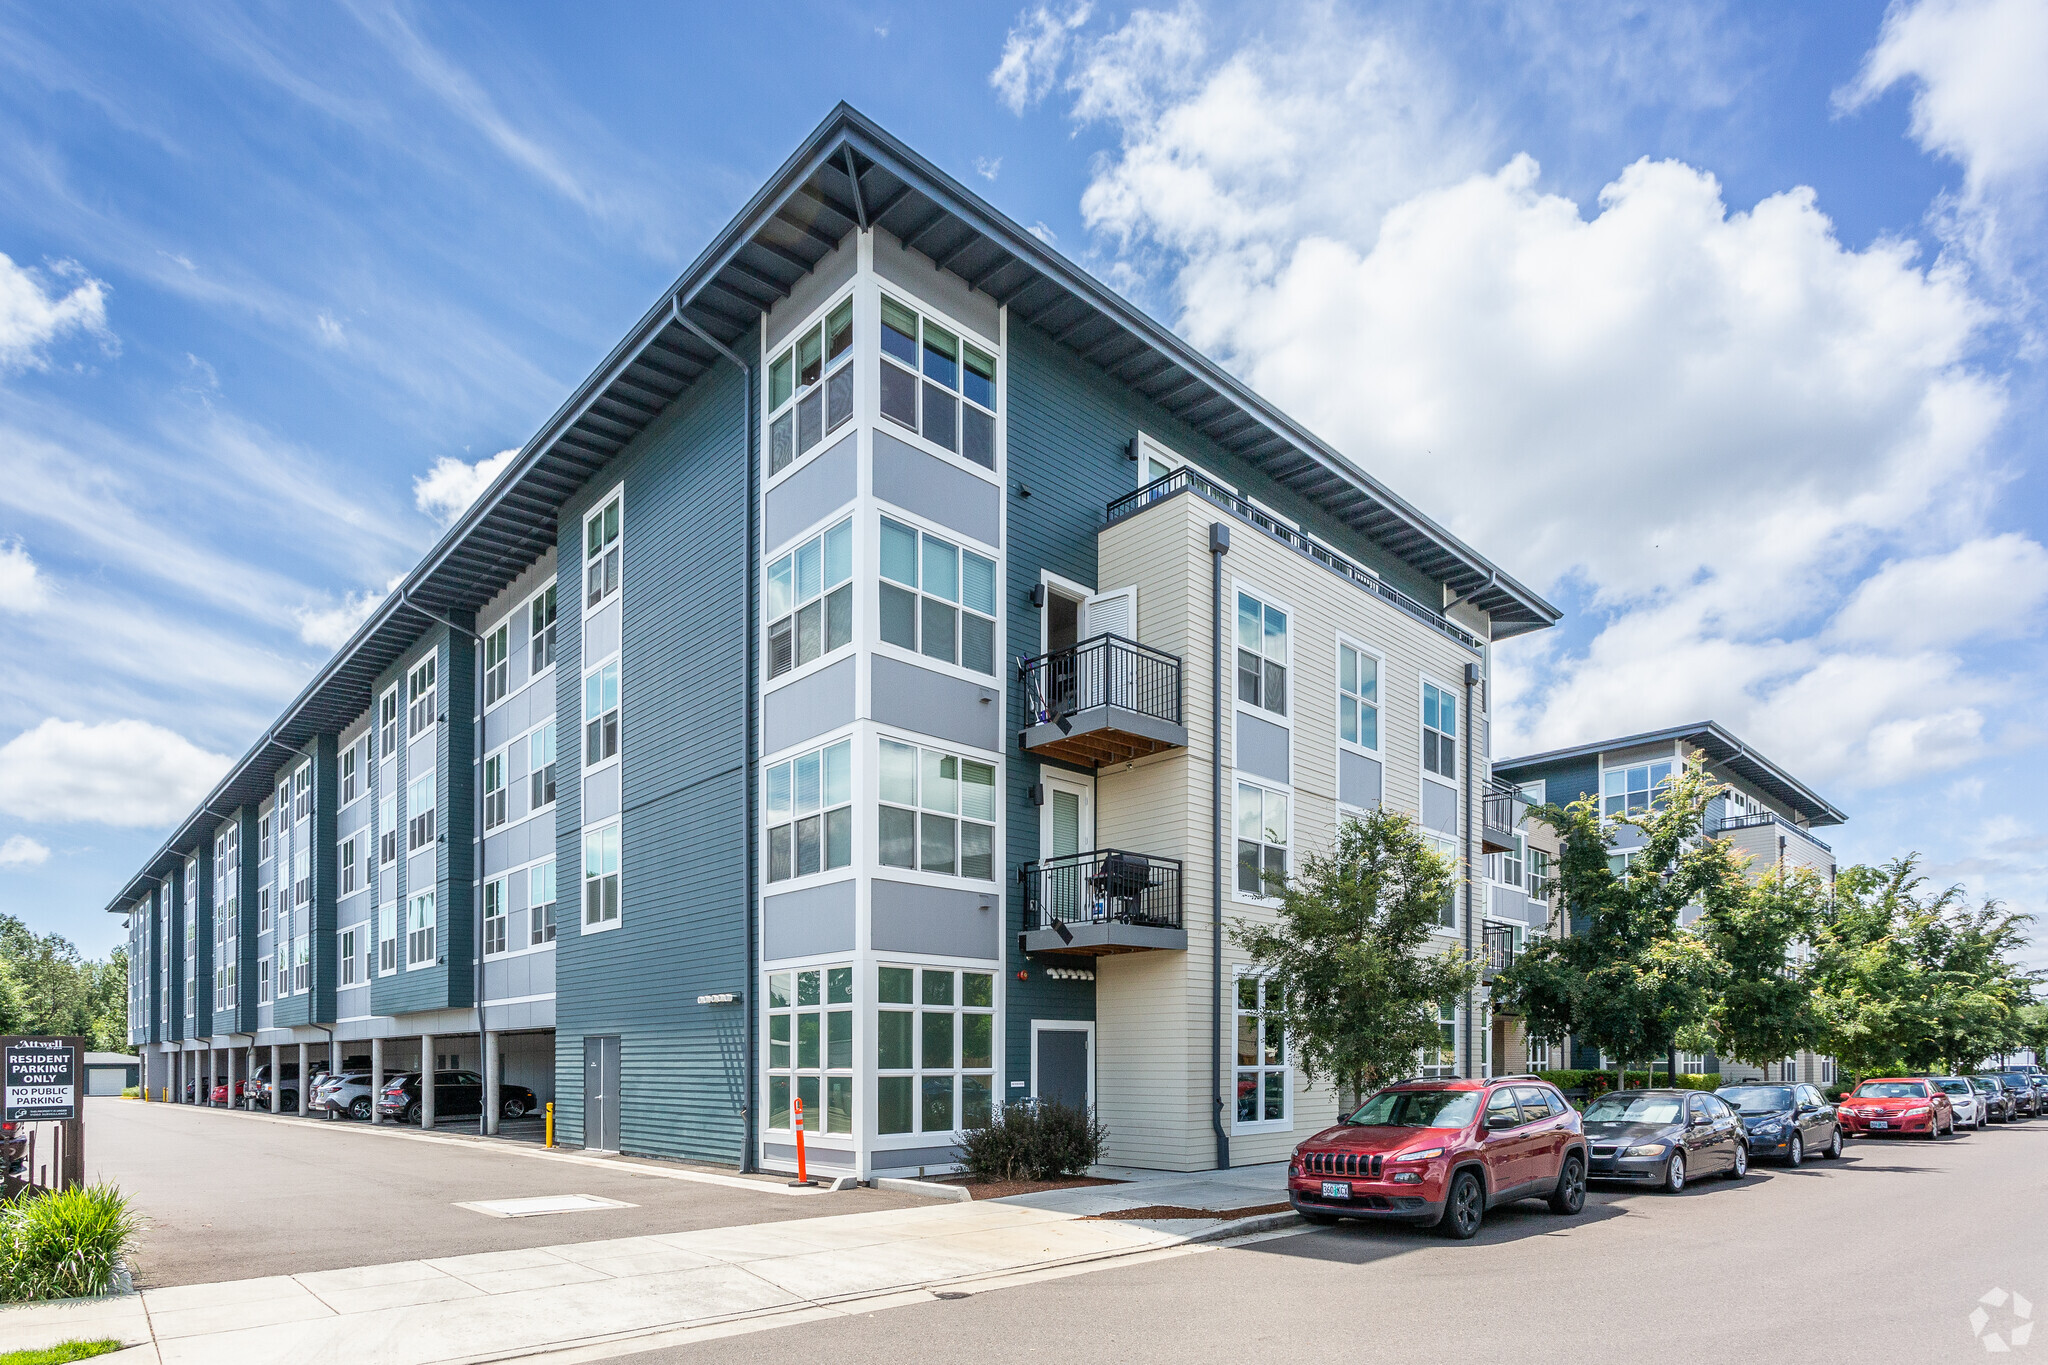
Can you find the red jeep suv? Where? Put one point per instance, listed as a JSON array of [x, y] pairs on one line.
[[1443, 1152]]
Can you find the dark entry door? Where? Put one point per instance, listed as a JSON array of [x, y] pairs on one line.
[[601, 1093], [1063, 1066]]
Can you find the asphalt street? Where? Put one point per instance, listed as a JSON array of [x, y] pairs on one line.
[[231, 1196], [1879, 1257]]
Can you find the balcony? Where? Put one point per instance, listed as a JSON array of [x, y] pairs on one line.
[[1102, 902], [1104, 700], [1762, 818], [1500, 809], [1497, 952]]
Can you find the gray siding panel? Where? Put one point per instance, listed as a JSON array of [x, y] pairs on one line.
[[936, 704], [601, 795], [812, 705], [940, 492], [1262, 747], [1359, 779], [1439, 807], [816, 490], [909, 918], [817, 919]]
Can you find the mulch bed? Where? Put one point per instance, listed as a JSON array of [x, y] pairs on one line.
[[1179, 1211], [1000, 1189]]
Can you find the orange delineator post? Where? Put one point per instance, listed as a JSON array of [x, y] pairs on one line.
[[803, 1176]]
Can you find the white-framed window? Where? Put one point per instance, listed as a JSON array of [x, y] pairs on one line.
[[419, 931], [935, 1051], [1636, 788], [810, 1049], [497, 917], [809, 820], [937, 812], [1439, 731], [1263, 838], [263, 837], [497, 662], [387, 722], [601, 877], [601, 551], [351, 779], [1827, 1070], [1264, 1080], [541, 621], [954, 404], [262, 909], [540, 758], [302, 793], [302, 876], [1447, 849], [302, 964], [810, 600], [1358, 697], [351, 960], [1509, 868], [601, 714], [1533, 792], [387, 827], [422, 697], [540, 897], [387, 938], [810, 388], [1262, 654], [937, 599], [496, 798], [263, 981], [419, 810], [1441, 1061], [1536, 862], [345, 859], [1539, 1054]]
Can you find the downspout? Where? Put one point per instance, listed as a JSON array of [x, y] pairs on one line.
[[748, 1109], [1471, 906], [1219, 546]]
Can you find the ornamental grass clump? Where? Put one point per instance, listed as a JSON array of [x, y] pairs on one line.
[[63, 1245]]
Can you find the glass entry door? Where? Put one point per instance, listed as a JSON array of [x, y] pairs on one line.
[[1066, 830]]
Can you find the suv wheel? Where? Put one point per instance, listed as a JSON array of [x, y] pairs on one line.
[[1674, 1174], [1464, 1209], [412, 1112], [1570, 1195], [1797, 1155], [359, 1107]]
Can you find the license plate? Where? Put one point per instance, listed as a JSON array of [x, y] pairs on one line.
[[1880, 1123], [1336, 1189]]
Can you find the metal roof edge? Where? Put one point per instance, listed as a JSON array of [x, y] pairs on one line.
[[1822, 812]]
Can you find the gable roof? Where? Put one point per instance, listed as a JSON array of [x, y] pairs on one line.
[[1721, 748], [847, 174]]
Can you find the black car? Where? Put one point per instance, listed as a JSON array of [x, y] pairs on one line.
[[1786, 1122], [457, 1094], [1665, 1137], [1998, 1101], [2026, 1101]]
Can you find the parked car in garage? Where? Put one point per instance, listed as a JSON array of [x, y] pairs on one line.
[[1998, 1101], [1896, 1105], [220, 1092], [1963, 1099], [1442, 1152], [457, 1094], [341, 1093], [261, 1086], [1665, 1137], [1786, 1122]]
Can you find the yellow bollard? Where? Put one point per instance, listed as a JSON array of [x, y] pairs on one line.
[[551, 1123]]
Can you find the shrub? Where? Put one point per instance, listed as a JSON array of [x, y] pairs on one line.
[[133, 1092], [1033, 1141], [63, 1245]]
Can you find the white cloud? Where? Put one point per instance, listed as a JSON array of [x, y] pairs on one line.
[[1991, 587], [1032, 53], [988, 167], [447, 490], [22, 851], [330, 330], [37, 308], [1703, 418], [330, 627], [21, 585], [117, 772]]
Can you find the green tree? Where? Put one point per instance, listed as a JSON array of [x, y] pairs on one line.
[[1360, 994], [1628, 979], [1762, 1010], [55, 990]]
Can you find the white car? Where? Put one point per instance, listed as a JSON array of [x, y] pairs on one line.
[[1963, 1097]]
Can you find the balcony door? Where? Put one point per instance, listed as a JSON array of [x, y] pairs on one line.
[[1066, 827]]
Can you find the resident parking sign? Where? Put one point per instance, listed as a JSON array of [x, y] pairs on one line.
[[40, 1079]]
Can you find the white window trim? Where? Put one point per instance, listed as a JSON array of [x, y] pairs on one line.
[[868, 786], [582, 881], [1285, 1123], [405, 932], [432, 658], [870, 405], [503, 757], [1449, 1071], [361, 749], [872, 637], [830, 438], [1376, 751], [1238, 704], [524, 614], [597, 505], [378, 752], [867, 1063], [503, 883], [817, 744], [1423, 776], [1252, 780], [860, 556]]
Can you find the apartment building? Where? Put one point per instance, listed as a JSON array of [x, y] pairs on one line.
[[872, 695], [1765, 812]]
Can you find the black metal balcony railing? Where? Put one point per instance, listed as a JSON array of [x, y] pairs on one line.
[[1185, 479], [1105, 886], [1107, 670], [1761, 818], [1498, 950], [1500, 809]]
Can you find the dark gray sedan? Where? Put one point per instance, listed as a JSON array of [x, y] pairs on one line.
[[1786, 1122], [1665, 1138]]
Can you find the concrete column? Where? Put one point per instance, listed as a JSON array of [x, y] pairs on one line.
[[231, 1056], [304, 1078], [376, 1077], [491, 1079], [426, 1081], [208, 1101], [276, 1079]]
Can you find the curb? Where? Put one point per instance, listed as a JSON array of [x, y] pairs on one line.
[[1242, 1227], [958, 1194]]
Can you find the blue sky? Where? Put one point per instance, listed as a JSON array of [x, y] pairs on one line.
[[1720, 324]]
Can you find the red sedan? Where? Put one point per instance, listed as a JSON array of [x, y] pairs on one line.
[[1898, 1105]]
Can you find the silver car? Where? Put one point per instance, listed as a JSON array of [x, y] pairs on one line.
[[339, 1093], [1970, 1110]]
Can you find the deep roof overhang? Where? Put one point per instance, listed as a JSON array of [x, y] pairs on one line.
[[848, 174], [1721, 748]]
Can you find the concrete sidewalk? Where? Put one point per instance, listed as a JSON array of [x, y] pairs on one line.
[[590, 1300], [1220, 1196]]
